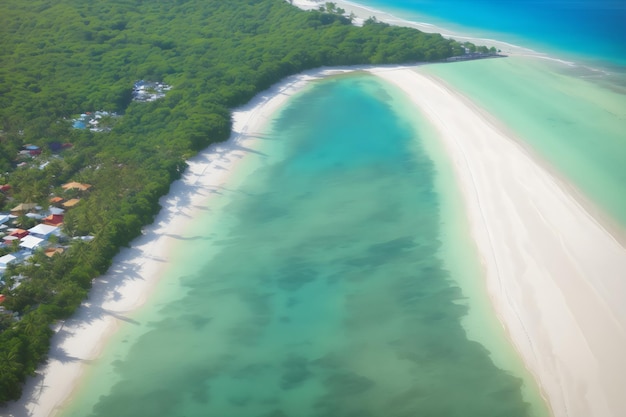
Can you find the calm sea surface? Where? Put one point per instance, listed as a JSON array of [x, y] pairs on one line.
[[593, 29]]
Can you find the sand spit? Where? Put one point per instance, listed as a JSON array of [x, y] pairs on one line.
[[554, 274]]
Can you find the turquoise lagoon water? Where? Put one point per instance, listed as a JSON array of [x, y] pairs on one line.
[[333, 276], [573, 114], [578, 126]]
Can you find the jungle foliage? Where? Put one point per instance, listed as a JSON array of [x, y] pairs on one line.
[[64, 57]]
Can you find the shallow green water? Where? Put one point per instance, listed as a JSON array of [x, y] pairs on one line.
[[575, 120], [316, 286]]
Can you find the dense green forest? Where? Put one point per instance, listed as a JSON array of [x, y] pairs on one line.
[[65, 57]]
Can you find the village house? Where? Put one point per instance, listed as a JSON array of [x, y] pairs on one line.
[[31, 242], [53, 220], [50, 252], [71, 203], [23, 208], [33, 150], [8, 240], [6, 260], [44, 231], [56, 200], [76, 186], [19, 233]]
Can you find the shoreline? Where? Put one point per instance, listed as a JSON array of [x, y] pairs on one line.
[[553, 272], [362, 13], [597, 212], [137, 270], [590, 64]]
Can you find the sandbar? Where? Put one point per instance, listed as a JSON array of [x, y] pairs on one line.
[[554, 274]]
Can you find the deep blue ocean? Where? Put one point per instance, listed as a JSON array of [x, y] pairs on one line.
[[594, 29]]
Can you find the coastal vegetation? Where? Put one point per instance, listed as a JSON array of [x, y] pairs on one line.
[[68, 57]]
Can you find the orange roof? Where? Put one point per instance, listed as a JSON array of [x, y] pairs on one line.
[[19, 233], [50, 252], [54, 200], [71, 203], [76, 186]]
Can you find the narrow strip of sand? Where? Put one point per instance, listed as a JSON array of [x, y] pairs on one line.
[[556, 277]]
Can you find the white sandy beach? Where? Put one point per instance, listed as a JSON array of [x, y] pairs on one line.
[[554, 274]]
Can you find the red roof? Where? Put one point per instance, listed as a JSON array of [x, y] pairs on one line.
[[5, 187], [53, 220], [2, 298], [19, 233]]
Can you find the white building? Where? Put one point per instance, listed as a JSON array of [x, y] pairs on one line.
[[6, 260], [31, 242], [44, 231]]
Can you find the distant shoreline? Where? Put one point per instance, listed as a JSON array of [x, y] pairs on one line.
[[362, 13]]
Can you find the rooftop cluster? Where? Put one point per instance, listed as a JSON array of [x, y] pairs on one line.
[[149, 91], [18, 242], [99, 121]]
